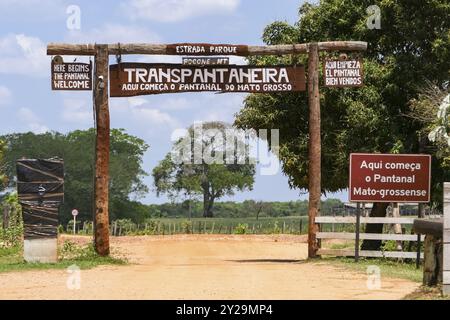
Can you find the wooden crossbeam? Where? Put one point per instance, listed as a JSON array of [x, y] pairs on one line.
[[367, 220], [368, 236], [164, 49], [369, 253]]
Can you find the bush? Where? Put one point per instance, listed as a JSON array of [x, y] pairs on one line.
[[186, 226], [241, 228], [12, 236], [72, 251], [276, 228]]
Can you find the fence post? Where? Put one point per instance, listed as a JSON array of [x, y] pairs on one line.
[[358, 222], [397, 226], [446, 236], [6, 215]]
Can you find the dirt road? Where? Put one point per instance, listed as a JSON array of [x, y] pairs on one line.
[[205, 267]]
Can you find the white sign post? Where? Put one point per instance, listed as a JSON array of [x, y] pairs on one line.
[[74, 214]]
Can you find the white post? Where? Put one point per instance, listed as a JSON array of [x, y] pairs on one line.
[[74, 223], [446, 263]]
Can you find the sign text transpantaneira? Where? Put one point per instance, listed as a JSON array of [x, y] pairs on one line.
[[131, 79]]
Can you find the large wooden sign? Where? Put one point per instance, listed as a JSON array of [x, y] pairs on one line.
[[343, 73], [71, 75], [389, 177], [206, 49], [132, 79]]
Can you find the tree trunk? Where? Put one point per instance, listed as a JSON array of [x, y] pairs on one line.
[[378, 210], [210, 207], [208, 201], [205, 203]]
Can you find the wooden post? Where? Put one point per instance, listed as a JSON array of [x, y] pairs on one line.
[[397, 226], [314, 148], [446, 236], [420, 214], [101, 218], [358, 224], [6, 215]]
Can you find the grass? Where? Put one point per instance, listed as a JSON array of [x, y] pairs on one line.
[[11, 259], [388, 267], [427, 293], [264, 225]]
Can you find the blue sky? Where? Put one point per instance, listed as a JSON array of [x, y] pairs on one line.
[[28, 104]]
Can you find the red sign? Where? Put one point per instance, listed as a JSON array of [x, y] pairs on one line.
[[389, 177]]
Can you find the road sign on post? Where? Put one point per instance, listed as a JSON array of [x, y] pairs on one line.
[[74, 214], [389, 177]]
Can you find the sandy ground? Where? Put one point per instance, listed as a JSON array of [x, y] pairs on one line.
[[205, 267]]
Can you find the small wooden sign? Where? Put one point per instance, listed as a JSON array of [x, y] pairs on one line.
[[205, 61], [71, 75], [207, 49], [132, 79], [343, 73]]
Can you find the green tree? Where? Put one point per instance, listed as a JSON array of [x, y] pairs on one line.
[[77, 150], [432, 109], [3, 178], [219, 170], [409, 48]]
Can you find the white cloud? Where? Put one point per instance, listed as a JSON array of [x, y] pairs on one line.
[[5, 95], [138, 111], [153, 116], [33, 10], [169, 103], [222, 107], [77, 111], [113, 33], [24, 55], [156, 58], [31, 121], [177, 10]]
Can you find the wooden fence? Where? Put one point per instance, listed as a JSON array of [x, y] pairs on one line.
[[281, 225], [368, 236]]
